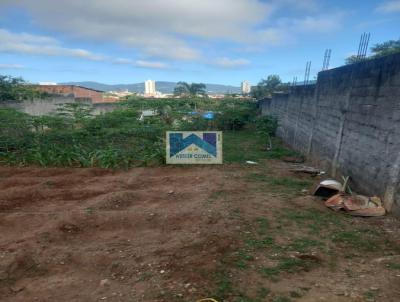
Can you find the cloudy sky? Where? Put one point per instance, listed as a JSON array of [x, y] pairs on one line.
[[212, 41]]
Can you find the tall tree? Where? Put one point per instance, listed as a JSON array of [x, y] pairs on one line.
[[378, 50], [194, 89], [386, 48], [15, 89], [266, 87]]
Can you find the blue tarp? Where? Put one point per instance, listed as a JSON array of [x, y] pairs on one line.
[[209, 115]]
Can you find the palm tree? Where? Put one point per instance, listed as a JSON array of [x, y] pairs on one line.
[[194, 89]]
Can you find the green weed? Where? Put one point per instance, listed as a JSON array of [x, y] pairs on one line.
[[312, 219], [241, 146], [145, 276], [304, 244], [270, 273], [356, 239], [370, 295], [263, 292], [259, 243], [279, 151], [287, 265], [263, 225], [243, 257], [280, 184], [216, 195], [224, 285], [295, 294], [281, 299], [89, 210], [392, 265], [50, 183]]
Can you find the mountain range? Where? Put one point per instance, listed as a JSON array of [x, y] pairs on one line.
[[162, 86]]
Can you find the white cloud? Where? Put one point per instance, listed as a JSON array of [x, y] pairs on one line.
[[28, 44], [304, 5], [173, 29], [24, 43], [123, 61], [158, 28], [272, 36], [316, 24], [231, 63], [389, 7], [11, 66], [141, 63], [148, 64]]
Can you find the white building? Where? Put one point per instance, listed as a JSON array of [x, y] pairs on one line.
[[150, 88], [47, 83], [246, 87]]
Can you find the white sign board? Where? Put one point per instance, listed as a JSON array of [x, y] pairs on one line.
[[194, 147]]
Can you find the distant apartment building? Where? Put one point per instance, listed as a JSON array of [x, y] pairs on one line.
[[150, 88], [246, 87], [77, 92]]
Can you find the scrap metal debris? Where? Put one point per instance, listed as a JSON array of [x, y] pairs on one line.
[[249, 162], [356, 205], [328, 188], [294, 159], [309, 170]]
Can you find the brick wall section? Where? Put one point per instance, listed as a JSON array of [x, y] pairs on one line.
[[349, 124], [80, 92], [72, 90]]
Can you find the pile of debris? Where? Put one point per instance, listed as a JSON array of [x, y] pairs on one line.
[[340, 197]]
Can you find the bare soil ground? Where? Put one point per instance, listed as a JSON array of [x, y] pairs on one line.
[[232, 232]]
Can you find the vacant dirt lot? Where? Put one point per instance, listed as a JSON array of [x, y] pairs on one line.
[[233, 232]]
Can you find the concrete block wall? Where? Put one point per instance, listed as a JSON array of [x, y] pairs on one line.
[[349, 124], [39, 107]]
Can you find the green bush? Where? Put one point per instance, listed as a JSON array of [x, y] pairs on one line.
[[266, 125], [15, 132]]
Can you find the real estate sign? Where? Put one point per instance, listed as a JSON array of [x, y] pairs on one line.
[[194, 147]]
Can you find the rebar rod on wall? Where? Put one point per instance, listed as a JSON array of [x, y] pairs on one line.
[[364, 54], [363, 45], [360, 45], [307, 72], [327, 58]]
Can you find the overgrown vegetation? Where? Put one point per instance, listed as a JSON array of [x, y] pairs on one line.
[[267, 86], [121, 139], [16, 89]]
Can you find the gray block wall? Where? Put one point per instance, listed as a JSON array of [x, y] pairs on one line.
[[349, 124], [50, 105]]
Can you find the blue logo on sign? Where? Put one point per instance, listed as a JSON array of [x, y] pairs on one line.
[[208, 143]]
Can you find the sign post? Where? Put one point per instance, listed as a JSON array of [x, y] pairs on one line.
[[194, 147]]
